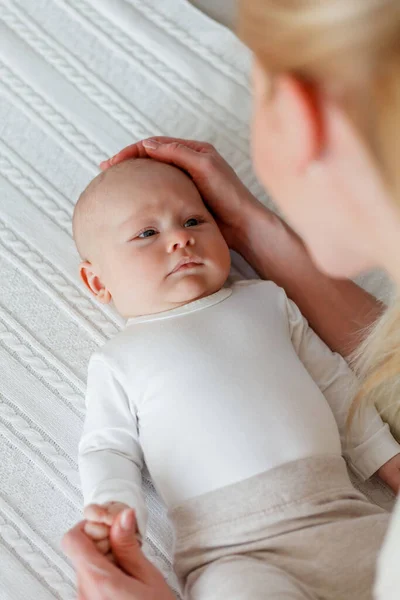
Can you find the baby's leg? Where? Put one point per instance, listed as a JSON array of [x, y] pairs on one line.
[[334, 555], [242, 577]]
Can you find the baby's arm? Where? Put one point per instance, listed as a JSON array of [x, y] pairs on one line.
[[110, 457], [369, 444]]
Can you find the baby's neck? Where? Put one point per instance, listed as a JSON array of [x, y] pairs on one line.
[[178, 305]]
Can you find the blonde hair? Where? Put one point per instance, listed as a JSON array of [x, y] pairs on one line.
[[350, 50]]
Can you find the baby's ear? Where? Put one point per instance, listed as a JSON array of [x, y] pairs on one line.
[[93, 282]]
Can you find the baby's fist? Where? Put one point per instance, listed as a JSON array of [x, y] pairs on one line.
[[104, 513], [99, 518], [390, 473]]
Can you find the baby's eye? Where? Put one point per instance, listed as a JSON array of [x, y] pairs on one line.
[[192, 222], [147, 233]]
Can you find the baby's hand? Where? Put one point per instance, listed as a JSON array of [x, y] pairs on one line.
[[390, 473], [99, 518]]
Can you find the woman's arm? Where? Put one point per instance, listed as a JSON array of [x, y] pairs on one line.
[[338, 310]]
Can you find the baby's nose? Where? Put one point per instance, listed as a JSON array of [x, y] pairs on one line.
[[180, 239]]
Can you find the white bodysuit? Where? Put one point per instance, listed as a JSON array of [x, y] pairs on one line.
[[214, 392]]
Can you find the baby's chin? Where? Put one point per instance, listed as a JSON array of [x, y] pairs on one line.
[[190, 288], [186, 289]]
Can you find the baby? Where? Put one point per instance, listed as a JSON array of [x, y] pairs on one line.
[[237, 407]]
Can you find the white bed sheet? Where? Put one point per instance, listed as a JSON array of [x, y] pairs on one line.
[[79, 79]]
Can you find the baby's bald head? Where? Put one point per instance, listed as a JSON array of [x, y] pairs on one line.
[[132, 225], [83, 220], [106, 193]]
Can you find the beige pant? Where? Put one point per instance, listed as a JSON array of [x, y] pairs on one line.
[[300, 531]]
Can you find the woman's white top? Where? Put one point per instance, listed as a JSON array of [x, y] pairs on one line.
[[214, 392]]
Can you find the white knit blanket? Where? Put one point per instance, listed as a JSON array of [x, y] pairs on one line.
[[79, 79]]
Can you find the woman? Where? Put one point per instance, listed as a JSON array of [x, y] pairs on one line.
[[326, 129]]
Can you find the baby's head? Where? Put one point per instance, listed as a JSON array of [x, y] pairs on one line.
[[134, 225]]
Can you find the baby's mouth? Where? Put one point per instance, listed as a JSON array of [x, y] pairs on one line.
[[188, 266], [187, 263]]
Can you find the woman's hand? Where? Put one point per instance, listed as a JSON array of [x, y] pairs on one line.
[[99, 579], [231, 203], [99, 519], [390, 473]]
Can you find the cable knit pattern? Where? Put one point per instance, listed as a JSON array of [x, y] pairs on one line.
[[20, 539], [58, 284], [211, 55], [37, 364], [16, 176], [54, 54], [36, 104], [192, 97], [79, 79], [12, 419]]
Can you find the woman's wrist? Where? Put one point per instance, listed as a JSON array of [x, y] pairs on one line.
[[338, 310], [266, 242]]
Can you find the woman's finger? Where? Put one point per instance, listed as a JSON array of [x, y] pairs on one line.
[[92, 586], [80, 595], [126, 547], [177, 154], [139, 150], [117, 587], [133, 151], [196, 145], [88, 588], [83, 553], [98, 578], [130, 557]]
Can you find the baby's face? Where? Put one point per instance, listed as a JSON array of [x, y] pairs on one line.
[[156, 246]]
